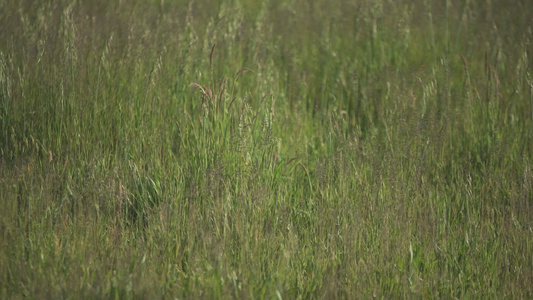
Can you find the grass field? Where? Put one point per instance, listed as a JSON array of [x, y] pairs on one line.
[[266, 149]]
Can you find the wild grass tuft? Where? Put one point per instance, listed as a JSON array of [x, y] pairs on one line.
[[324, 149]]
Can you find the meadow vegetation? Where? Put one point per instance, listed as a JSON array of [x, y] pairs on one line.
[[266, 149]]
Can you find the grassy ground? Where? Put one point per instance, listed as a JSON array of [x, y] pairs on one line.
[[266, 149]]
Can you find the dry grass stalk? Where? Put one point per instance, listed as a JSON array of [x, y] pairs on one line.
[[211, 57], [241, 71], [305, 169], [291, 160]]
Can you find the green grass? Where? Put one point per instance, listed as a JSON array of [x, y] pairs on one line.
[[372, 149]]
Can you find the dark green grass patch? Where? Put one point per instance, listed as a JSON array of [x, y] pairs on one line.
[[281, 149]]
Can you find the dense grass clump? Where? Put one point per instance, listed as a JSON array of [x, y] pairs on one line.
[[266, 149]]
